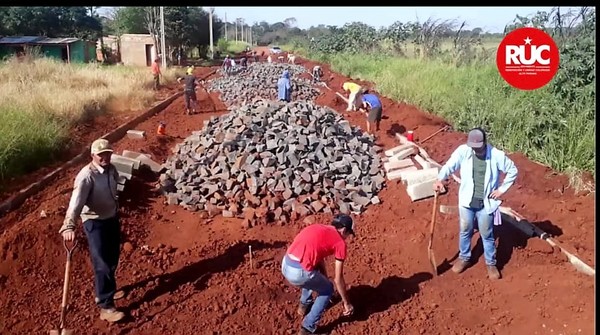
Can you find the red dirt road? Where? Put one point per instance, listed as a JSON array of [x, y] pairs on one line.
[[188, 275]]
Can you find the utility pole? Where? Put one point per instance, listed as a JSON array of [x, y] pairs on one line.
[[225, 26], [210, 31], [163, 47], [236, 24], [242, 34]]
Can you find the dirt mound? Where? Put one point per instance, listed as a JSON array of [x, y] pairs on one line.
[[186, 274]]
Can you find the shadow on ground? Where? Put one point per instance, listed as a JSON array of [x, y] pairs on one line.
[[368, 300]]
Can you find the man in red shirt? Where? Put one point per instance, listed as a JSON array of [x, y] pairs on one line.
[[304, 266], [156, 73]]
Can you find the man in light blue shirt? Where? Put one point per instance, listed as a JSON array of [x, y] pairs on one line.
[[479, 194], [284, 87]]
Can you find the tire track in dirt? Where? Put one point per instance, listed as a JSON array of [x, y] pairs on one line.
[[187, 275]]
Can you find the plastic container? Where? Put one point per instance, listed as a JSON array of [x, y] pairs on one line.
[[410, 136], [162, 129]]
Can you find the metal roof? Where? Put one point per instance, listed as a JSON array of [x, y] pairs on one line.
[[37, 40], [19, 39]]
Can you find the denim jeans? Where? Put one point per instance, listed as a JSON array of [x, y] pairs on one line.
[[308, 281], [104, 239], [486, 231]]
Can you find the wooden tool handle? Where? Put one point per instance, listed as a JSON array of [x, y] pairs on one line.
[[433, 217]]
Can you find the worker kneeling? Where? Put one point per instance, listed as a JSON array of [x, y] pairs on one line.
[[303, 266], [284, 87]]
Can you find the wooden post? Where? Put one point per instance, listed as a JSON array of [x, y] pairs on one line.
[[68, 54]]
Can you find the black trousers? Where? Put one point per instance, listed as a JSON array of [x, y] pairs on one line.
[[104, 239]]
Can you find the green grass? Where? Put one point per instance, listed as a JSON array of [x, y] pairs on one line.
[[535, 123], [40, 99]]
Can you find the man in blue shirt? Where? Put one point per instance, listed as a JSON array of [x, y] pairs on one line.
[[479, 194], [284, 87], [372, 104]]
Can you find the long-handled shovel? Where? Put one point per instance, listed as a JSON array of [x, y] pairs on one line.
[[431, 230], [63, 307]]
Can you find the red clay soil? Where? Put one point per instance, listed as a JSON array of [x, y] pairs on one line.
[[185, 274]]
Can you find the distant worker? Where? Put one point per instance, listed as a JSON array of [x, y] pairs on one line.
[[227, 64], [374, 109], [269, 59], [156, 73], [317, 73], [284, 87], [304, 266], [189, 90], [479, 195], [244, 63], [94, 199], [354, 95]]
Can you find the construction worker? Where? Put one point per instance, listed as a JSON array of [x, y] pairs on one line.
[[372, 106], [479, 194], [317, 73], [354, 91], [189, 90], [284, 87], [303, 266], [156, 73], [227, 65], [94, 199], [244, 63]]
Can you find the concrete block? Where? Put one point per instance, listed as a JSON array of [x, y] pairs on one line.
[[123, 166], [415, 177], [391, 152], [422, 161], [123, 177], [154, 166], [421, 190], [134, 161], [405, 153], [132, 154], [397, 174], [395, 165], [135, 134]]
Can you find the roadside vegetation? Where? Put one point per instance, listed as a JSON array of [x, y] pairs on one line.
[[41, 99], [452, 73]]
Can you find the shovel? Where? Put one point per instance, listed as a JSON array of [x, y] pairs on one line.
[[63, 307], [432, 227]]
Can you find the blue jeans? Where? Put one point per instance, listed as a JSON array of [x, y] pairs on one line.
[[485, 222], [104, 239], [308, 281]]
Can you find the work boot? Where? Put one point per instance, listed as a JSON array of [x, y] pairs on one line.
[[303, 309], [493, 272], [118, 295], [460, 266], [111, 315]]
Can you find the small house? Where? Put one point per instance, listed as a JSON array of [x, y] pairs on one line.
[[137, 49], [68, 49]]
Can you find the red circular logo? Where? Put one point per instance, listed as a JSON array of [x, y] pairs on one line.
[[527, 58]]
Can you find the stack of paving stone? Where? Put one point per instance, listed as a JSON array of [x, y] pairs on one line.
[[275, 161], [260, 82]]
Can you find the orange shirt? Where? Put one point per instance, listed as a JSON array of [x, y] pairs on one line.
[[155, 68]]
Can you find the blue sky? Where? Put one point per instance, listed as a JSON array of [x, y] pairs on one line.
[[492, 19]]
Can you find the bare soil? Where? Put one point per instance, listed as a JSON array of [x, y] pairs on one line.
[[185, 274]]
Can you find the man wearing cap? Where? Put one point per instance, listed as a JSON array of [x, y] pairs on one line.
[[479, 194], [94, 199], [189, 90], [304, 266]]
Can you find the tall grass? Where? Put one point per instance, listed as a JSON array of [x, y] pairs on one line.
[[41, 98], [535, 123]]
